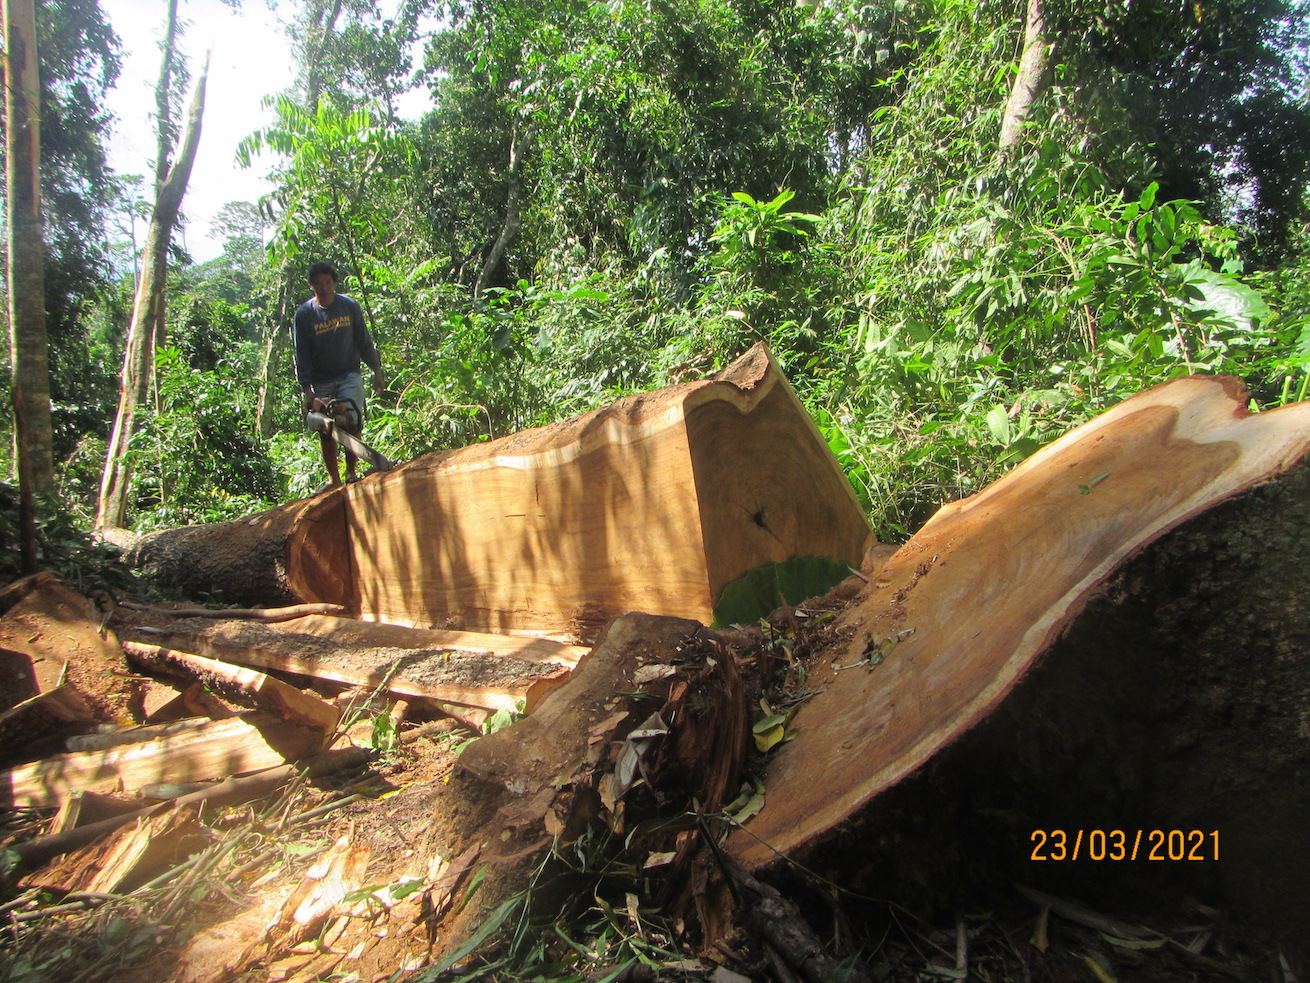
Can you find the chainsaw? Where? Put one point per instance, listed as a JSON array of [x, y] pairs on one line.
[[332, 422]]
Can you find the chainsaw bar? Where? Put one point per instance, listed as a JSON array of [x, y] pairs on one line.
[[325, 424]]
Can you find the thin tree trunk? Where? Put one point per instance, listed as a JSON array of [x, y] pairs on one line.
[[512, 223], [1030, 80], [139, 355], [323, 23], [165, 132], [271, 362], [29, 348]]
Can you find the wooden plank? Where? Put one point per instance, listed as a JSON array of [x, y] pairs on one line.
[[445, 675], [372, 634], [217, 750], [246, 686]]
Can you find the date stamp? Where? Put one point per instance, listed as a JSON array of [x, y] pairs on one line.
[[1187, 845]]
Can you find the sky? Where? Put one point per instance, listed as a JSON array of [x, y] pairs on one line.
[[251, 58]]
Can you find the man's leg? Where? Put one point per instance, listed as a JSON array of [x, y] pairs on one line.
[[351, 390], [329, 447]]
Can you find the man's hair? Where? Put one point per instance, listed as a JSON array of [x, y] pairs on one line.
[[318, 268]]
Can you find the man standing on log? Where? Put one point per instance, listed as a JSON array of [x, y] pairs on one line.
[[331, 341]]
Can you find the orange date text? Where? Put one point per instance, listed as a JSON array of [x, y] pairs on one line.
[[1191, 845]]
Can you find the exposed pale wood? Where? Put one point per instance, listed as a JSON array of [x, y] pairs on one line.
[[370, 634], [130, 857], [990, 582], [121, 736], [653, 504], [445, 675], [229, 791], [241, 685], [220, 749], [254, 614]]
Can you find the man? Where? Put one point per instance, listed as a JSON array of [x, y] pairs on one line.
[[331, 341]]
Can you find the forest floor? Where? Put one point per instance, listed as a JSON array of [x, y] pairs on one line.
[[409, 864]]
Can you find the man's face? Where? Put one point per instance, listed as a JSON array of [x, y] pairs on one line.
[[325, 289]]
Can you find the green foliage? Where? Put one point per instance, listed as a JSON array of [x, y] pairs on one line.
[[63, 547], [675, 181], [759, 592], [198, 457]]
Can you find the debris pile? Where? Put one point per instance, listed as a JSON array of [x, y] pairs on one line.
[[131, 738]]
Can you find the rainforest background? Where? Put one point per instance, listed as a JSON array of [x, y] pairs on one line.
[[963, 227]]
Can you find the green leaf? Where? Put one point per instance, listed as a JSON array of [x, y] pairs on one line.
[[998, 422], [759, 592], [767, 739]]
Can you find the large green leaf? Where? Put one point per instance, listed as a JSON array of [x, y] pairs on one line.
[[758, 592]]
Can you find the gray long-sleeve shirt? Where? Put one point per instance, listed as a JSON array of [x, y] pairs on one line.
[[332, 341]]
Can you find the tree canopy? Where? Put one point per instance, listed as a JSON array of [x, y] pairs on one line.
[[603, 196]]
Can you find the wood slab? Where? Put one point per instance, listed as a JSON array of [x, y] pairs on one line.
[[442, 674], [371, 634], [991, 581], [216, 750], [653, 504]]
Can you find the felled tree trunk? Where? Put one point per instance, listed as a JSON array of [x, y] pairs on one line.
[[652, 504], [949, 726]]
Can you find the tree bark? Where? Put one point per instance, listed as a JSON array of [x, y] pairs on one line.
[[1029, 81], [29, 347], [509, 228], [556, 530], [138, 358], [165, 129]]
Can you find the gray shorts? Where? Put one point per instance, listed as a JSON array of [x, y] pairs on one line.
[[348, 387]]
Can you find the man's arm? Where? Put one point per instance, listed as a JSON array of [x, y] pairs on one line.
[[302, 334]]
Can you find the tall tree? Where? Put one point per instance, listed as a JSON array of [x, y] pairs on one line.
[[27, 328], [146, 311]]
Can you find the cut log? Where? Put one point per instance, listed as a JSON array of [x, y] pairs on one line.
[[1174, 703], [245, 686], [446, 674], [553, 531], [532, 754], [973, 599], [217, 750]]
